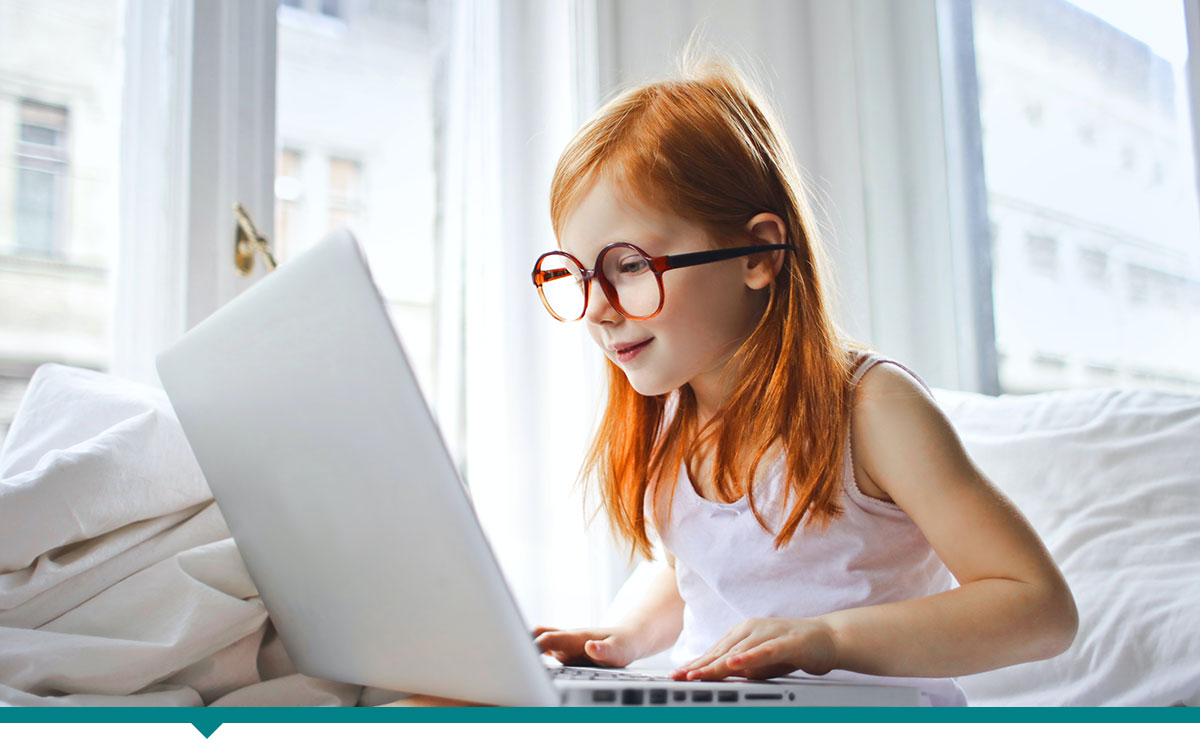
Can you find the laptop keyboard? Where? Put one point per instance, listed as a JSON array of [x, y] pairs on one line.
[[589, 673]]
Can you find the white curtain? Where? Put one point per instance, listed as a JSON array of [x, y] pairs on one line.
[[517, 391]]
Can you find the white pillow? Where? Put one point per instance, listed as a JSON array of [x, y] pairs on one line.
[[1110, 479]]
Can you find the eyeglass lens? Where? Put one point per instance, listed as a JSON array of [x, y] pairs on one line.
[[628, 273]]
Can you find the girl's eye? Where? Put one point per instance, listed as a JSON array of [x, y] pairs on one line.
[[633, 265]]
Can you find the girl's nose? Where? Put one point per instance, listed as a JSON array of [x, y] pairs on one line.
[[599, 310]]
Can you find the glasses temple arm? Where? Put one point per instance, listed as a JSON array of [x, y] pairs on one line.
[[676, 261]]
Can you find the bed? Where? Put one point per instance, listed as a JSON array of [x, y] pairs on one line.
[[119, 584]]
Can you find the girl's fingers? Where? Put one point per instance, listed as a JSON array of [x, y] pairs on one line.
[[766, 660], [734, 638], [606, 652], [753, 656], [719, 667], [598, 650], [554, 639], [701, 661]]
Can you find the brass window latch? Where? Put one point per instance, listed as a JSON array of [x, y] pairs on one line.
[[247, 241]]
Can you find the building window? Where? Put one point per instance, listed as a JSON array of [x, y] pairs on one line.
[[289, 201], [1094, 264], [41, 171], [345, 192], [1107, 175], [1043, 254], [1102, 373], [1139, 283], [328, 8], [1128, 159], [1050, 362], [1163, 289], [1034, 113]]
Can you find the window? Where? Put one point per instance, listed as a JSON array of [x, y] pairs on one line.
[[60, 126], [1043, 254], [345, 193], [1101, 374], [41, 169], [1140, 281], [331, 8], [1114, 75], [1087, 134], [1093, 263], [355, 115], [289, 201], [1128, 158], [1157, 175]]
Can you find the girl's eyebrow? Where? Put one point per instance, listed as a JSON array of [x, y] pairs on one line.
[[648, 242]]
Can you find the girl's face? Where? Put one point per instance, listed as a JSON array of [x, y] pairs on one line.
[[708, 310]]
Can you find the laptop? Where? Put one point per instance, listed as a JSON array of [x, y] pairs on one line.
[[328, 466]]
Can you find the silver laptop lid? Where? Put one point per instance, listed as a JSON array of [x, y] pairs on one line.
[[322, 455]]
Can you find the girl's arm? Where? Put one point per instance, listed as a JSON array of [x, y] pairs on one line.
[[651, 625], [1013, 604]]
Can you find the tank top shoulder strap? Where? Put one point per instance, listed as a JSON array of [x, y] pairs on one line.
[[864, 362], [866, 359]]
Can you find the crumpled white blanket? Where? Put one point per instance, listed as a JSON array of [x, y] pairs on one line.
[[119, 582]]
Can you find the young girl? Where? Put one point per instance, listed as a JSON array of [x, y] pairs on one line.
[[814, 504]]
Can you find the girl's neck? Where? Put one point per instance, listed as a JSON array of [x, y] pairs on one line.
[[711, 393]]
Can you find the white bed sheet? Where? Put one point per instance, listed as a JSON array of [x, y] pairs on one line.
[[119, 583], [1110, 479]]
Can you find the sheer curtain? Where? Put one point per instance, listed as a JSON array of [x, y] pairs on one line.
[[517, 392]]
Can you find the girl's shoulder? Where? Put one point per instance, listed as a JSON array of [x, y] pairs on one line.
[[892, 409], [875, 376]]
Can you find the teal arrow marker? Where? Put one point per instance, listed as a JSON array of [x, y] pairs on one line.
[[206, 728]]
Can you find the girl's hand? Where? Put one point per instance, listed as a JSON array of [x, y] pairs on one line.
[[766, 647], [603, 647]]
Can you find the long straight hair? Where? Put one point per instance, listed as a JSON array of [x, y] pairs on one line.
[[705, 146]]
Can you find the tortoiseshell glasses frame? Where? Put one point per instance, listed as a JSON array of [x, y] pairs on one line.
[[656, 264]]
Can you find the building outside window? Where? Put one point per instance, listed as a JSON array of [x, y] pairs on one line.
[[366, 163], [289, 200], [345, 193], [41, 170], [60, 129], [1089, 166]]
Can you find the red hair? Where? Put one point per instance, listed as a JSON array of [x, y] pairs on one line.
[[706, 147]]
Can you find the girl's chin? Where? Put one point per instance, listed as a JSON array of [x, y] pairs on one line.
[[648, 387]]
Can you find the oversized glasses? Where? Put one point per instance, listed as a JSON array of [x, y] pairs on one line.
[[630, 278]]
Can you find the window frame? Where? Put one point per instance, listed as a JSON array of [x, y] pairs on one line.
[[209, 66], [50, 159]]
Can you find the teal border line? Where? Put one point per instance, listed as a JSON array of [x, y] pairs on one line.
[[212, 717]]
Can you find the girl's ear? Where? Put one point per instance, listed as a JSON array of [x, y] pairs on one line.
[[760, 269]]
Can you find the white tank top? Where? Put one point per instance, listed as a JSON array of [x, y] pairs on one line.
[[728, 570]]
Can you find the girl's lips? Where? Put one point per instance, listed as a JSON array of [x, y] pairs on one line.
[[628, 354]]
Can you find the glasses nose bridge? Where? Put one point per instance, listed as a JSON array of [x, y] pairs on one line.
[[602, 294]]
